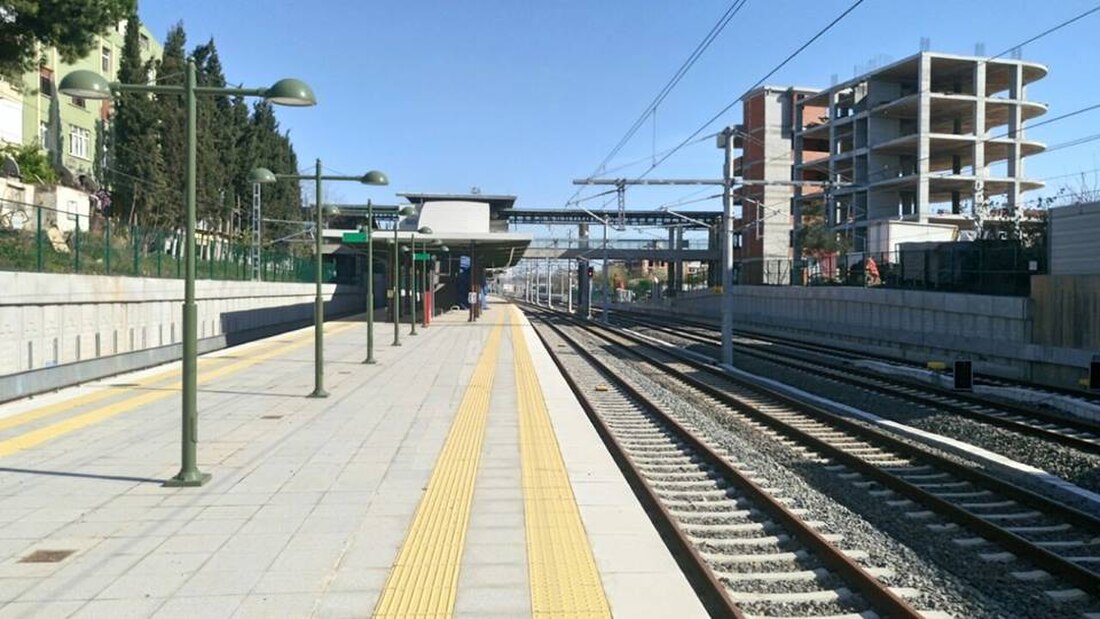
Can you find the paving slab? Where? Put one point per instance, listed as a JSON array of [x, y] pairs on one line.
[[311, 499]]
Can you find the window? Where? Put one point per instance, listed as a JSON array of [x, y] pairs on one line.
[[105, 60], [44, 136], [144, 42], [45, 81], [78, 142], [79, 102]]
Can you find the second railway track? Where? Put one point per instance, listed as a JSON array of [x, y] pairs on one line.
[[991, 518], [1078, 434]]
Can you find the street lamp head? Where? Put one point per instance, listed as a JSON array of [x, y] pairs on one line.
[[292, 92], [406, 211], [425, 230], [445, 249], [261, 175], [86, 85], [374, 177]]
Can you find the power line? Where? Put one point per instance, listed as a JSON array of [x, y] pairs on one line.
[[650, 109], [1077, 173], [1051, 30], [675, 79], [774, 70], [874, 176]]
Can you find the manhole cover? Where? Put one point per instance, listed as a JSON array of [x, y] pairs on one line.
[[272, 417], [46, 556]]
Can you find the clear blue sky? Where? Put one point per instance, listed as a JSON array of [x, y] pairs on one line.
[[521, 97]]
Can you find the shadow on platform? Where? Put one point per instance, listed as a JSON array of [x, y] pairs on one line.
[[143, 480]]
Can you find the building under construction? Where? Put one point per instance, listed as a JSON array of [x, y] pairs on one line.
[[892, 148]]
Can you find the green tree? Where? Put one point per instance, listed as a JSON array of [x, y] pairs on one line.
[[34, 166], [135, 169], [217, 139], [171, 131], [814, 233], [267, 147], [72, 26]]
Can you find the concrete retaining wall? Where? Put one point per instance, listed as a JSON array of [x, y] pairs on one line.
[[995, 332], [58, 329]]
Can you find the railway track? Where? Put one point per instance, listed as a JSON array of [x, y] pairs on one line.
[[1058, 546], [1059, 429], [710, 331], [747, 552]]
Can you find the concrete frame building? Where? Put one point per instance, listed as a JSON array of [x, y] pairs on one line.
[[930, 133]]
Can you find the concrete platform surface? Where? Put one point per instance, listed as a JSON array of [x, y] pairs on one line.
[[457, 477]]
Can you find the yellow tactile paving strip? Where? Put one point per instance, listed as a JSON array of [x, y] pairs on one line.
[[564, 579], [38, 436], [424, 579]]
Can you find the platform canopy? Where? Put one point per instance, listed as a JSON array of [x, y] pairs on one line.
[[461, 222]]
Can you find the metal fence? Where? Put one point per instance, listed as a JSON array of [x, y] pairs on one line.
[[978, 267], [47, 240]]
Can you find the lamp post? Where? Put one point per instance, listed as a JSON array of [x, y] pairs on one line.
[[91, 85], [374, 177], [370, 283], [413, 285], [406, 211]]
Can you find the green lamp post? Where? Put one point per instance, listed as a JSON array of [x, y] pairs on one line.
[[91, 85], [406, 211], [415, 284], [369, 231], [374, 177]]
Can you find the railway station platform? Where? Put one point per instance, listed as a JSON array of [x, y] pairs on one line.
[[458, 476]]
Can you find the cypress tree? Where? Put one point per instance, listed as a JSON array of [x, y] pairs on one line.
[[170, 123], [135, 172], [224, 134]]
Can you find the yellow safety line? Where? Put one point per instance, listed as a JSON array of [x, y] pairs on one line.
[[564, 579], [89, 398], [423, 582], [36, 437], [108, 391]]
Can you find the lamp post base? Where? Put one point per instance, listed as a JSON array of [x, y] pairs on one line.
[[369, 361], [188, 479], [318, 393]]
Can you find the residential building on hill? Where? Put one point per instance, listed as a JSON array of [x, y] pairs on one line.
[[33, 112]]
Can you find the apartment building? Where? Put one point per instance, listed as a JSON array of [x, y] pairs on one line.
[[34, 112], [930, 134], [899, 148]]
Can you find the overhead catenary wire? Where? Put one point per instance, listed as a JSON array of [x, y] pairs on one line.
[[650, 109], [770, 73], [873, 176]]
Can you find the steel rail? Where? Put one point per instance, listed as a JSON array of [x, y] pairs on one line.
[[867, 379], [1081, 577], [985, 379], [877, 594]]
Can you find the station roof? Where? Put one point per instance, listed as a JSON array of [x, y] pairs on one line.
[[637, 218], [495, 202], [462, 222]]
